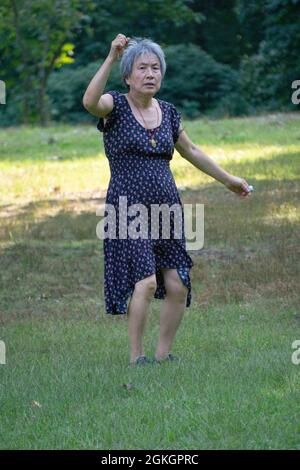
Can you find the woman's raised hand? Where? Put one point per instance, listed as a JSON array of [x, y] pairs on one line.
[[117, 46]]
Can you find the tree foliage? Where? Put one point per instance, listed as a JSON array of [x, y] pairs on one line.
[[229, 57]]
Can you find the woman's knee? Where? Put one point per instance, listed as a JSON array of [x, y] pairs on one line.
[[175, 287], [146, 286]]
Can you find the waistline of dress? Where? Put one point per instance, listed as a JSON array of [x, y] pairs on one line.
[[135, 165]]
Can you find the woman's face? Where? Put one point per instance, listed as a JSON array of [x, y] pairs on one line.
[[145, 71]]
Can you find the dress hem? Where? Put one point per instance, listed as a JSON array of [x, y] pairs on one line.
[[183, 272]]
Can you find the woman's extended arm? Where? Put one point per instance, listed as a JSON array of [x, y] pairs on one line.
[[203, 162]]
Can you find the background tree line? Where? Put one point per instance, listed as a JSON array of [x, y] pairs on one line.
[[224, 57]]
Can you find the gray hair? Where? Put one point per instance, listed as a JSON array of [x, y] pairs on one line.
[[138, 47]]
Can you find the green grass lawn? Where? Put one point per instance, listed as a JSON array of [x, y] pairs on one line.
[[66, 383]]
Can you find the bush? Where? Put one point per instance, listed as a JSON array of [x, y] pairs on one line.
[[195, 82]]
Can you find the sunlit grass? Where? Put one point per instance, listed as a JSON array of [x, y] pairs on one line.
[[36, 163]]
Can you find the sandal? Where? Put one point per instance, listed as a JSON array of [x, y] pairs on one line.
[[169, 357], [141, 360]]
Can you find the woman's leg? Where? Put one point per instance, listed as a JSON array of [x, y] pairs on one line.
[[144, 291], [172, 311]]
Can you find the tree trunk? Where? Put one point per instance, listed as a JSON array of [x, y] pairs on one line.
[[43, 121]]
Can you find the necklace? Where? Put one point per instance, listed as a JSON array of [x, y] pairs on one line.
[[151, 133]]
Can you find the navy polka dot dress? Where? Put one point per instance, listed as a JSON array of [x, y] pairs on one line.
[[140, 174]]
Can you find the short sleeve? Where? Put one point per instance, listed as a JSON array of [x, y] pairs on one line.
[[175, 122], [112, 115]]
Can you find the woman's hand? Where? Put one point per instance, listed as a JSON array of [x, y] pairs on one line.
[[238, 185], [117, 46]]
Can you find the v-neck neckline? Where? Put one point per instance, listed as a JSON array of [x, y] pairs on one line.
[[143, 127]]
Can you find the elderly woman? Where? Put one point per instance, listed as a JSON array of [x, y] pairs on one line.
[[140, 133]]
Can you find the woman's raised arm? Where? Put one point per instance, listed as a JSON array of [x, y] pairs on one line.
[[94, 102]]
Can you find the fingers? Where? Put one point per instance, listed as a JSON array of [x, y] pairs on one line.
[[122, 39], [241, 194], [245, 186]]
